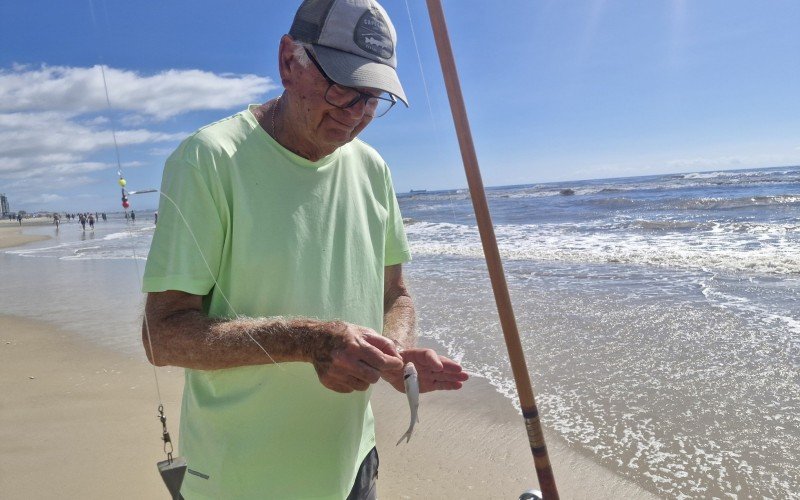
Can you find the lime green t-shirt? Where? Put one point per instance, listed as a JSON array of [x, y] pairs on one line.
[[263, 232]]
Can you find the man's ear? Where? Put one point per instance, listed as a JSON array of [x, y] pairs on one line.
[[286, 61]]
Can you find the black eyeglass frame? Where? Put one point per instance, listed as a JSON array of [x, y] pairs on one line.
[[362, 96]]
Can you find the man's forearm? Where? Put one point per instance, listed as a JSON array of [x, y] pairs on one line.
[[192, 340], [346, 357], [399, 321]]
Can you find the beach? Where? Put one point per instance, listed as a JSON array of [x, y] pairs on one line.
[[78, 415], [658, 316], [11, 234]]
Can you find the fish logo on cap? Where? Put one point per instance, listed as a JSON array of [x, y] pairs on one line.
[[372, 34]]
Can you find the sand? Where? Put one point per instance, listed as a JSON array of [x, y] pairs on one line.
[[11, 233], [79, 421]]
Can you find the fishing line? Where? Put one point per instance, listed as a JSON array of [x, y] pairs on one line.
[[211, 273], [105, 87], [173, 469], [437, 129], [123, 184], [439, 133], [421, 71]]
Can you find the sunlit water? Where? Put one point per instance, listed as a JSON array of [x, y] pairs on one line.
[[660, 315]]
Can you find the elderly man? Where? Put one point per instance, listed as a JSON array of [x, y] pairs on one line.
[[275, 265]]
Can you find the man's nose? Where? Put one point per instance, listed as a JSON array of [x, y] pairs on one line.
[[358, 110]]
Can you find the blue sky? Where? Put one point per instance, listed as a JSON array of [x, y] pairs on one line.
[[555, 90]]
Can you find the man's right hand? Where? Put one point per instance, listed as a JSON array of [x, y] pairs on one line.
[[349, 357]]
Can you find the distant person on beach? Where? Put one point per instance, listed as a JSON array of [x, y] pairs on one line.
[[290, 252], [82, 219], [133, 216], [91, 221], [56, 219], [155, 217], [19, 219]]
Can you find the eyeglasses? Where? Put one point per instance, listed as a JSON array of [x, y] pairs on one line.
[[346, 97]]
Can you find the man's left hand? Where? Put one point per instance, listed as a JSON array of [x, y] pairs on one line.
[[434, 372]]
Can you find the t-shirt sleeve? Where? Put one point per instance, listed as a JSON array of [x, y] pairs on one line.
[[396, 249], [188, 242]]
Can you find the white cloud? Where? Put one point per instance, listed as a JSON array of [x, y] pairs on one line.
[[26, 135], [41, 180], [132, 164], [44, 198], [654, 165], [610, 170], [54, 118], [38, 145], [160, 152], [740, 161], [704, 163], [98, 120], [77, 90]]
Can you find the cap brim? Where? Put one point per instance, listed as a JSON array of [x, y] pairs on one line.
[[351, 70]]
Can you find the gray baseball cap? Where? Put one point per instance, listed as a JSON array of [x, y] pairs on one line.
[[354, 41]]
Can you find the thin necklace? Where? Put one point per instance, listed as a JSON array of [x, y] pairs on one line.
[[274, 109]]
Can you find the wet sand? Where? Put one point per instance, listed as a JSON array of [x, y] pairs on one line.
[[11, 232], [79, 421]]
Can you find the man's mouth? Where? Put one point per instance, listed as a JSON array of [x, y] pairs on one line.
[[345, 125]]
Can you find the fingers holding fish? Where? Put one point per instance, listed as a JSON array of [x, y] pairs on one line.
[[395, 379], [428, 359], [423, 358], [343, 376], [450, 366], [380, 353], [440, 385], [348, 357], [435, 372]]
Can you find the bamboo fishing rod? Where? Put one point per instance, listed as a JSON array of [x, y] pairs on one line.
[[544, 470]]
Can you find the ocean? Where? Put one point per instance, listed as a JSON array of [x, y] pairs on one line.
[[660, 315]]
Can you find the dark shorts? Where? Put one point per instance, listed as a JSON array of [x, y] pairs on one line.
[[366, 487]]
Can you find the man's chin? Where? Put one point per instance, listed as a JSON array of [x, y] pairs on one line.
[[339, 138]]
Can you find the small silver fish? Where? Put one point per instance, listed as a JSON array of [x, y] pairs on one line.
[[412, 393]]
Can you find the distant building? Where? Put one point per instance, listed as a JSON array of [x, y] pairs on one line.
[[4, 205]]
